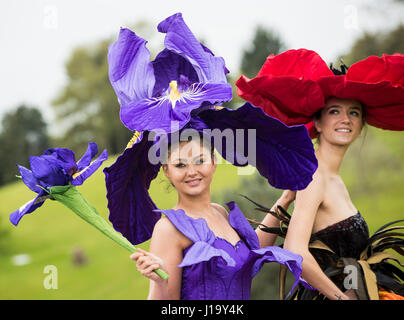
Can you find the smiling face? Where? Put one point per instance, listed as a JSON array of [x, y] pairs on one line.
[[341, 121], [190, 168]]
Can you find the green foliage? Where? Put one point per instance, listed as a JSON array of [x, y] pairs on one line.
[[24, 133], [373, 171], [52, 234], [4, 236], [265, 42], [377, 43], [254, 186], [236, 101], [87, 106]]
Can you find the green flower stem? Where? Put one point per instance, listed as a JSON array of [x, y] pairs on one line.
[[72, 198]]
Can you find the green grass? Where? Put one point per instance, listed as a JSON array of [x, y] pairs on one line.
[[373, 171], [51, 233]]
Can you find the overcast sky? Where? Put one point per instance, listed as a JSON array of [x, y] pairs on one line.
[[38, 36]]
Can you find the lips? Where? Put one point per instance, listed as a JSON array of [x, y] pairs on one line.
[[193, 182], [345, 130]]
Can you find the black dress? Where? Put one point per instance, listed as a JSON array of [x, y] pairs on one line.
[[347, 244], [347, 238], [345, 252]]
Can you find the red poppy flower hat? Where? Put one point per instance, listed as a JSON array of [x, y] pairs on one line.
[[294, 85]]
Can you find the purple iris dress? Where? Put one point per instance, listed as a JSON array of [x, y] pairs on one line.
[[215, 269]]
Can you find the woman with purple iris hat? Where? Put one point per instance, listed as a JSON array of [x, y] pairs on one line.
[[206, 252]]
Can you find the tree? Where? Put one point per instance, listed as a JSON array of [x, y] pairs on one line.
[[376, 44], [264, 43], [393, 41], [24, 133], [87, 105]]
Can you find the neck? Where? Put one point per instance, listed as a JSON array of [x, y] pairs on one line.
[[331, 156], [197, 205]]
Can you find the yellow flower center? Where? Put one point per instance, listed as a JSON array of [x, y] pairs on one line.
[[74, 176], [174, 93]]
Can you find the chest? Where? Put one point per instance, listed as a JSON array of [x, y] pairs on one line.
[[222, 229], [336, 204]]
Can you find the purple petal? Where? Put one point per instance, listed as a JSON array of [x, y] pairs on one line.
[[29, 207], [127, 182], [181, 40], [63, 154], [226, 71], [284, 155], [169, 66], [242, 226], [160, 113], [88, 171], [130, 70], [202, 251], [147, 114], [276, 254], [47, 170], [66, 158], [85, 160], [29, 180]]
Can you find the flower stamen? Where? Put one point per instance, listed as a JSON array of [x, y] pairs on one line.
[[174, 95], [133, 140]]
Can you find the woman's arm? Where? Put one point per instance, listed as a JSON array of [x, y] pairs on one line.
[[166, 255], [299, 233], [268, 239]]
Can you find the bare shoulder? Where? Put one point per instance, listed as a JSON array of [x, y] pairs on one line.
[[220, 208], [318, 183], [165, 226], [312, 197], [164, 229]]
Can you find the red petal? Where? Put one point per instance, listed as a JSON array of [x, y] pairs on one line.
[[386, 117], [311, 129], [291, 100], [374, 69], [370, 94], [301, 63]]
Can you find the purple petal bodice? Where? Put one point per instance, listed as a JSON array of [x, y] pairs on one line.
[[215, 269]]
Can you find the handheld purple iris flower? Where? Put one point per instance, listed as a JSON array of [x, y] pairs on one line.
[[183, 77], [55, 175], [55, 167]]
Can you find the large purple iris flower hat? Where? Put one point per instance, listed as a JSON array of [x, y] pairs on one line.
[[184, 88]]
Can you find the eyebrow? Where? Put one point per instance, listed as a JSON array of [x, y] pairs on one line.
[[200, 155], [184, 160], [339, 107], [357, 108]]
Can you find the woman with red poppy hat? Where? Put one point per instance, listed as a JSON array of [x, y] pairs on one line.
[[297, 87]]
